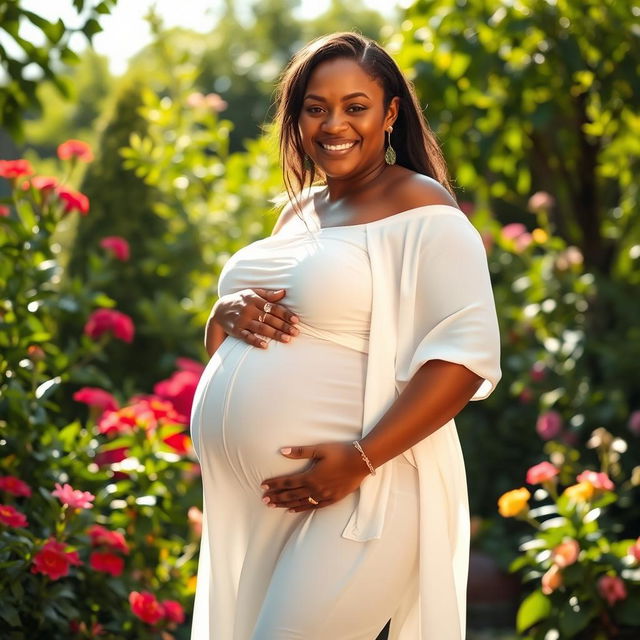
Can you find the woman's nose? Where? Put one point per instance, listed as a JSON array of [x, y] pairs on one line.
[[334, 121]]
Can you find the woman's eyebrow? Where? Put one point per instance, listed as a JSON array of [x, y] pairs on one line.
[[312, 96]]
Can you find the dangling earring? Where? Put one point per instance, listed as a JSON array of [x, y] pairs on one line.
[[307, 163], [389, 154]]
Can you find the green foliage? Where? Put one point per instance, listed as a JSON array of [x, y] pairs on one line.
[[537, 95], [19, 94], [124, 205], [586, 575], [127, 472]]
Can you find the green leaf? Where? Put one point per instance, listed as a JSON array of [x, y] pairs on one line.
[[10, 615], [91, 27], [535, 607], [573, 620]]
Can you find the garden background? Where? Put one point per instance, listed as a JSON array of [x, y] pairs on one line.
[[123, 196]]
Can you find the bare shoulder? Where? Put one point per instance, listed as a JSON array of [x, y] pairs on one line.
[[288, 211], [412, 190]]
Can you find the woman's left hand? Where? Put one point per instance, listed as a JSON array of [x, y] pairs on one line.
[[336, 471]]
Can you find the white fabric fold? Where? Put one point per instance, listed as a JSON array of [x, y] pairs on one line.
[[432, 299]]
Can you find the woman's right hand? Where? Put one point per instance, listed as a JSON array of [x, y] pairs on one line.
[[251, 314]]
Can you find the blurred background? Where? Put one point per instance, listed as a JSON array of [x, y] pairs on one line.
[[137, 155]]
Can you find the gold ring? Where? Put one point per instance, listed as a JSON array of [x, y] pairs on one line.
[[311, 500]]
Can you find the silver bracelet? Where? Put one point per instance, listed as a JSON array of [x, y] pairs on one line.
[[363, 455]]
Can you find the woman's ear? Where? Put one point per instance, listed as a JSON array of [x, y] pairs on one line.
[[392, 112]]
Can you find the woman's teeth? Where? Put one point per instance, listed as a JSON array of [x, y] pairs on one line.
[[337, 147]]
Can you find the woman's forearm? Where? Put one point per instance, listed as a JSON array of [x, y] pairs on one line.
[[214, 336], [437, 393]]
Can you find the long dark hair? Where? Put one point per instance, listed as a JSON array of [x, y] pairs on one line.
[[412, 138]]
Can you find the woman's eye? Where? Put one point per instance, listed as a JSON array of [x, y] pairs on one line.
[[358, 107]]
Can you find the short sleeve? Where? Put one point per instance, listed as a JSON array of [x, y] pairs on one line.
[[447, 309]]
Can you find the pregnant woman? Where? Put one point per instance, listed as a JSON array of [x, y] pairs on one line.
[[334, 484]]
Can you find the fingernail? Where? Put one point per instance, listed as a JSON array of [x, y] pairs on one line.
[[285, 450], [271, 505], [295, 331], [295, 319], [264, 486], [263, 345], [286, 338], [266, 500]]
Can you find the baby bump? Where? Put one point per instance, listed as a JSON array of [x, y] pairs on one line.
[[255, 401]]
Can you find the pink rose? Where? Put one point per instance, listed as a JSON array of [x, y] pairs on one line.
[[75, 149], [549, 425], [15, 486], [106, 563], [566, 553], [187, 364], [542, 472], [599, 480], [73, 498], [52, 560], [41, 183], [145, 606], [4, 211], [103, 321], [513, 230], [96, 397], [12, 517], [117, 246], [540, 201], [612, 589]]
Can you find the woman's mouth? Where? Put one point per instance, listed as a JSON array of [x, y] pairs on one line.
[[337, 149]]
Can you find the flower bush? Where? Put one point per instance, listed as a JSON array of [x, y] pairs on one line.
[[96, 482], [586, 576]]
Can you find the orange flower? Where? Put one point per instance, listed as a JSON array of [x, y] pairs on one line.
[[513, 503], [580, 492], [565, 553], [551, 580]]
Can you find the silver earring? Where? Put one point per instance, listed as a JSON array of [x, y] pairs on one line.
[[307, 163], [389, 154]]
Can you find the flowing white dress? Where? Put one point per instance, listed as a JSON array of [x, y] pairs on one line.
[[376, 301], [266, 574]]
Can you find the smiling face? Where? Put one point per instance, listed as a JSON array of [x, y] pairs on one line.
[[342, 122]]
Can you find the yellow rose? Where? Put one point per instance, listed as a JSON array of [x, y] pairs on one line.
[[513, 502], [579, 492]]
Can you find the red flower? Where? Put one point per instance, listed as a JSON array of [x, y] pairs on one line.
[[117, 246], [634, 550], [541, 473], [114, 540], [36, 353], [145, 606], [11, 517], [11, 169], [4, 211], [75, 149], [111, 456], [173, 611], [110, 321], [179, 389], [14, 486], [73, 200], [52, 560], [96, 397], [114, 422], [73, 498], [549, 425], [41, 183], [178, 441], [600, 481], [107, 563], [612, 589]]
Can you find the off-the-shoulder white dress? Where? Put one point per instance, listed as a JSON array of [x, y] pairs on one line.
[[266, 574]]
